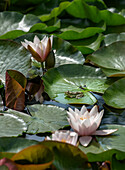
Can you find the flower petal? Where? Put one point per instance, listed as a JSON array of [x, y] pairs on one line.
[[104, 132], [83, 110], [24, 44], [94, 111], [98, 118], [85, 140], [73, 113], [76, 110], [36, 40]]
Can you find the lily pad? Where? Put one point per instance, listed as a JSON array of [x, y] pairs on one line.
[[111, 38], [11, 125], [81, 11], [64, 52], [114, 95], [15, 90], [112, 58], [36, 156], [44, 118], [77, 80], [13, 56], [67, 156], [14, 145], [88, 45], [74, 33], [14, 21]]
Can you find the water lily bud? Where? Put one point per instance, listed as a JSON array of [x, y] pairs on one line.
[[39, 49], [50, 61]]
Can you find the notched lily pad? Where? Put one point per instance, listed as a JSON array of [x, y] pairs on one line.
[[13, 56], [73, 83], [114, 96], [11, 125], [44, 118], [111, 58]]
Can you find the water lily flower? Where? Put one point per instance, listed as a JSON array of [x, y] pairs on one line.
[[85, 123], [39, 49], [64, 136]]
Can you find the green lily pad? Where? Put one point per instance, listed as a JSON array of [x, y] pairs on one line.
[[67, 156], [111, 58], [72, 78], [11, 125], [114, 95], [74, 33], [111, 38], [81, 11], [45, 118], [11, 21], [13, 56], [14, 145], [89, 45], [64, 52], [99, 150]]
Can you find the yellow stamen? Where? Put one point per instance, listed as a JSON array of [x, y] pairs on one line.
[[63, 140], [85, 117]]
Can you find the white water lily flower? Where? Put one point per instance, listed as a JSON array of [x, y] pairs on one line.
[[39, 49], [64, 136], [85, 123]]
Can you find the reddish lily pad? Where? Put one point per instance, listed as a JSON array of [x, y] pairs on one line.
[[15, 90]]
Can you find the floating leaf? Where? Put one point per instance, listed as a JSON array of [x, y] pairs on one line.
[[13, 56], [74, 33], [111, 59], [81, 11], [6, 155], [114, 95], [80, 81], [15, 90], [111, 38], [44, 118], [11, 21], [11, 125], [118, 164], [14, 145], [89, 45], [67, 156], [33, 157]]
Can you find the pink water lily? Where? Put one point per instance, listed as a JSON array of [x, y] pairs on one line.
[[64, 136], [85, 123], [39, 49]]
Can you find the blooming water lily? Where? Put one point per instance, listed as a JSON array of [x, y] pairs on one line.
[[39, 49], [64, 136], [85, 123]]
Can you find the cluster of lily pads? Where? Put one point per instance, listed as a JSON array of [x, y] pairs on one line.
[[62, 84]]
